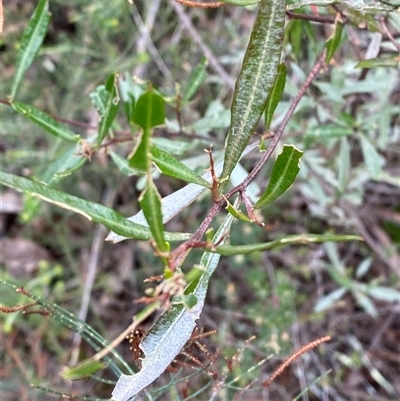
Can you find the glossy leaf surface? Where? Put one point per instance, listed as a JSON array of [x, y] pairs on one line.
[[283, 175], [110, 108], [275, 95], [172, 167]]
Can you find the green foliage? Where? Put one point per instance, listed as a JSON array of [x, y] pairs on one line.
[[345, 142]]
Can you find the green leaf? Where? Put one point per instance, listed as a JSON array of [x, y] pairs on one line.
[[333, 42], [150, 202], [195, 80], [110, 109], [123, 165], [31, 41], [172, 167], [46, 122], [237, 213], [302, 239], [140, 157], [275, 95], [172, 330], [373, 160], [82, 370], [361, 19], [91, 210], [256, 79], [387, 61], [283, 175], [178, 200], [150, 110]]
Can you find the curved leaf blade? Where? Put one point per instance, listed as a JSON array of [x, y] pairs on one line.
[[171, 331], [110, 109], [91, 210], [150, 202], [178, 200], [333, 42], [256, 79], [31, 41], [302, 239], [283, 174], [46, 122], [172, 167], [275, 95], [195, 80]]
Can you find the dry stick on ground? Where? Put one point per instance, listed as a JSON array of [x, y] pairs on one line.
[[293, 357], [195, 240]]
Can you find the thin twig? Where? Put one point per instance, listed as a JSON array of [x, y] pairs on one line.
[[293, 357], [323, 19], [180, 251], [214, 63], [388, 33]]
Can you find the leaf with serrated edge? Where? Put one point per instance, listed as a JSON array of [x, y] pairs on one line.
[[171, 331], [256, 79], [31, 41], [91, 210], [283, 174]]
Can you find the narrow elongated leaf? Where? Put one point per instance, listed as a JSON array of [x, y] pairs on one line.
[[195, 80], [172, 167], [333, 42], [46, 122], [171, 331], [386, 61], [111, 108], [283, 174], [256, 79], [91, 210], [275, 95], [179, 200], [31, 41], [150, 202], [302, 239]]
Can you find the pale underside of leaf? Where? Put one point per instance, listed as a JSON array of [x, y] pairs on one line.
[[171, 331]]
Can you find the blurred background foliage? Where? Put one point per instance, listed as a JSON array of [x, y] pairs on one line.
[[348, 125]]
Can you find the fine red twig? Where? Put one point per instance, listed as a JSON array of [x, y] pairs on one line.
[[293, 357], [180, 251]]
